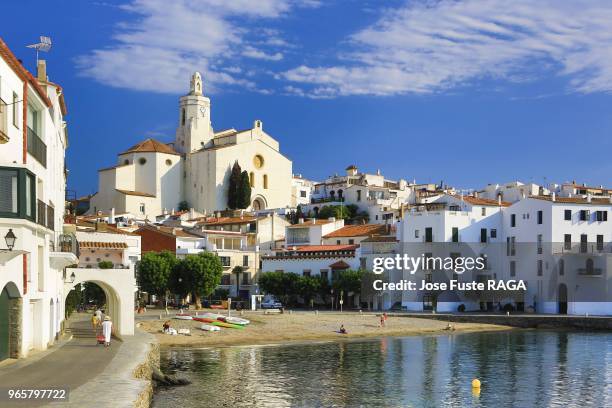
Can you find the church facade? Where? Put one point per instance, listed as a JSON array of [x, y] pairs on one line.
[[151, 176]]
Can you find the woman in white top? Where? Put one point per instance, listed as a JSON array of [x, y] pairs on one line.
[[107, 326]]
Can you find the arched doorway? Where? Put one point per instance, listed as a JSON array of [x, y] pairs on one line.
[[10, 321], [258, 204], [118, 287], [340, 195], [562, 298]]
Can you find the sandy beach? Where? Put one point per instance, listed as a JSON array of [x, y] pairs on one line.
[[302, 326]]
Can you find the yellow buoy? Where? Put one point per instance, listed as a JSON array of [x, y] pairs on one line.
[[476, 383]]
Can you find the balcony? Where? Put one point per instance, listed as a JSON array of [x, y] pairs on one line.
[[37, 148], [590, 271], [45, 215], [66, 252]]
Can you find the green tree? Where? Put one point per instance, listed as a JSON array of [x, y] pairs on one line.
[[308, 287], [367, 291], [234, 186], [238, 270], [199, 274], [154, 270], [283, 286], [183, 206], [244, 191], [336, 211], [348, 280]]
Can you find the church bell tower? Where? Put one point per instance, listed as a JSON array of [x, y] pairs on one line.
[[194, 130]]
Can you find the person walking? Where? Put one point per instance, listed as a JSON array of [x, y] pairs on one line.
[[95, 321], [107, 327]]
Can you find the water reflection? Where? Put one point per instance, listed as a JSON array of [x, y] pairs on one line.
[[517, 368]]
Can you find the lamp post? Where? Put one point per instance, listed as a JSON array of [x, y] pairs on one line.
[[10, 239]]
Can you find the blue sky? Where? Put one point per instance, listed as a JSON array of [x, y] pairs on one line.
[[468, 92]]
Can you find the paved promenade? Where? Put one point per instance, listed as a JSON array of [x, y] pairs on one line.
[[95, 376]]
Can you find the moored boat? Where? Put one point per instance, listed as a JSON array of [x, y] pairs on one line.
[[183, 317], [209, 327]]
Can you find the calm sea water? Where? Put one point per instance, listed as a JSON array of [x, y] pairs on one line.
[[517, 368]]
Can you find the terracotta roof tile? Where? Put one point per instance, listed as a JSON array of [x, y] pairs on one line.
[[485, 201], [339, 265], [381, 238], [321, 248], [226, 220], [575, 200], [151, 145], [357, 231], [309, 223]]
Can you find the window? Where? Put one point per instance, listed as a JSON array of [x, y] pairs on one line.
[[265, 181], [584, 242], [512, 246], [561, 267], [303, 193], [306, 272], [493, 233], [245, 261], [540, 216], [126, 161], [455, 234], [512, 268], [567, 215], [601, 216], [17, 193], [258, 161], [226, 279], [142, 208], [483, 235], [540, 267], [513, 220], [567, 242], [324, 274], [297, 235], [338, 242], [363, 263], [539, 243], [351, 241], [585, 215], [428, 234], [183, 117], [15, 110], [142, 161], [169, 162], [225, 260], [245, 278], [3, 122], [600, 243], [483, 211], [252, 179], [416, 233], [358, 195]]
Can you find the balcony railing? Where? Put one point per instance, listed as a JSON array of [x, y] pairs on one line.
[[45, 215], [68, 243], [37, 148], [590, 271]]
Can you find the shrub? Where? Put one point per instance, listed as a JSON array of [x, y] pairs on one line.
[[461, 308], [105, 265]]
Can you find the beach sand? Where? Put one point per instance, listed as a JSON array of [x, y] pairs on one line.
[[302, 326]]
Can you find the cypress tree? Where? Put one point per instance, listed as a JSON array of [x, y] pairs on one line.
[[244, 191], [233, 192]]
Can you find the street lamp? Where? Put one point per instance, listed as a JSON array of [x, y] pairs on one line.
[[72, 277], [10, 239]]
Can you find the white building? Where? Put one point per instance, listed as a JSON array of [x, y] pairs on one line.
[[33, 140], [512, 192], [301, 190], [381, 199], [151, 176]]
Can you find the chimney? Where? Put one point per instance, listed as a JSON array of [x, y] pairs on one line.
[[41, 70], [111, 217], [378, 172], [258, 124], [589, 197], [554, 196]]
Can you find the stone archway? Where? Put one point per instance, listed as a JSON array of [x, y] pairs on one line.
[[119, 287], [259, 203], [10, 321]]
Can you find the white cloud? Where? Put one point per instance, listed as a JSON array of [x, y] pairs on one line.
[[432, 46], [163, 42]]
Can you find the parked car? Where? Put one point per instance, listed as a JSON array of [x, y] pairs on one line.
[[271, 304]]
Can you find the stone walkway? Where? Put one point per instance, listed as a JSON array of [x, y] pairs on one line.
[[95, 376]]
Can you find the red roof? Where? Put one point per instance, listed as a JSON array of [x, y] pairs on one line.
[[357, 231], [485, 201], [339, 265], [151, 145], [321, 248]]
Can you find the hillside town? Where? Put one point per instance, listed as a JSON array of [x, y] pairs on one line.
[[234, 194]]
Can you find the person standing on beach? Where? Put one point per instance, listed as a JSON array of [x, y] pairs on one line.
[[107, 327], [382, 320]]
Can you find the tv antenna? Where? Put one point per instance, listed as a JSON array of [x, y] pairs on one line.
[[44, 45]]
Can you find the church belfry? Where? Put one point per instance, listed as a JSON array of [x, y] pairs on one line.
[[194, 130]]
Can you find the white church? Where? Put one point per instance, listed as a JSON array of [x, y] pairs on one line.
[[151, 176]]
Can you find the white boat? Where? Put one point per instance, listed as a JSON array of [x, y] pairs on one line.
[[214, 316], [235, 320], [208, 327], [183, 317]]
